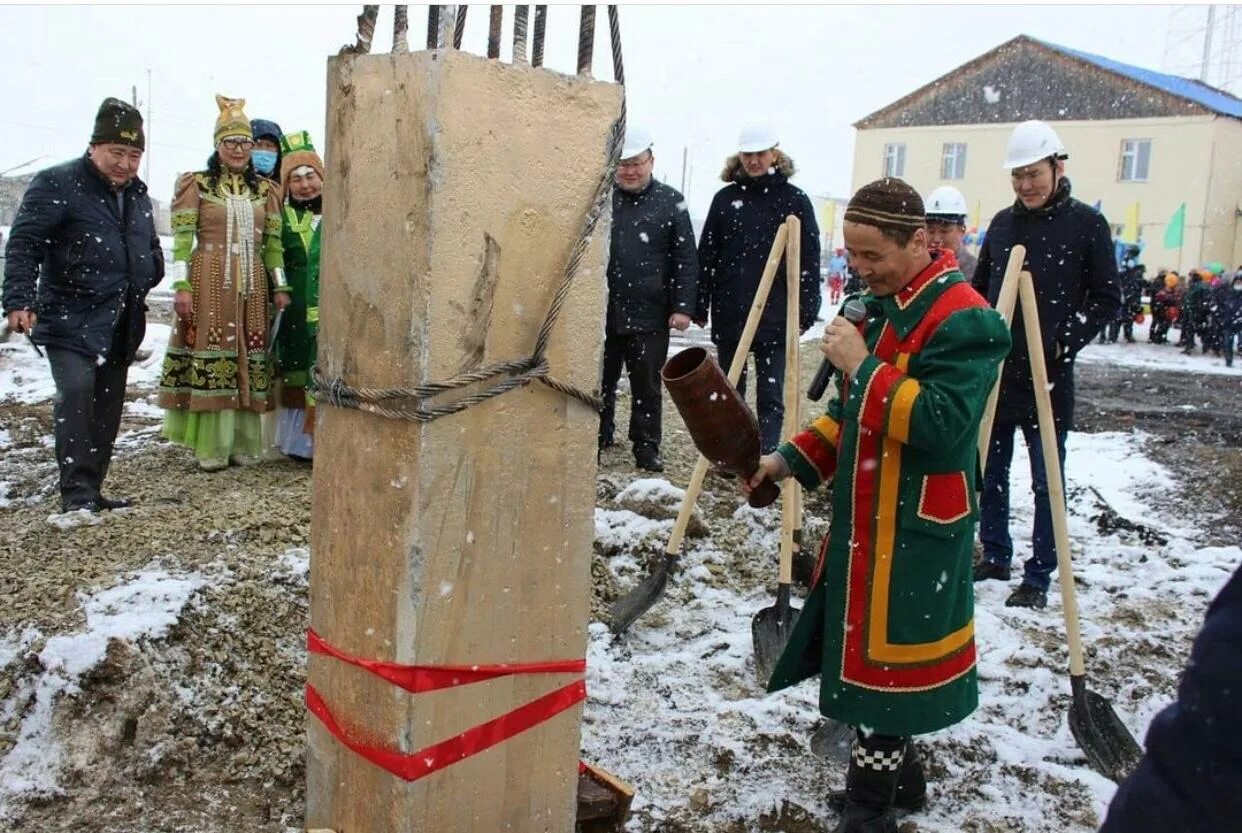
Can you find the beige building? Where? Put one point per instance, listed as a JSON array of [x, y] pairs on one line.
[[1138, 141]]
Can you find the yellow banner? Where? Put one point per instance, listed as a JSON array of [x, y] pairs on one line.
[[1130, 231]]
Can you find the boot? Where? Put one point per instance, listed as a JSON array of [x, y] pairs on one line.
[[871, 784], [911, 792]]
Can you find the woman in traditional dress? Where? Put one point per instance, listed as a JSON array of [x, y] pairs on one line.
[[228, 268], [296, 343]]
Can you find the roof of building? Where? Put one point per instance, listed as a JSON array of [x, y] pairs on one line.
[[1188, 88], [1025, 78]]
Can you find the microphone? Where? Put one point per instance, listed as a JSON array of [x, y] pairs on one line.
[[854, 311]]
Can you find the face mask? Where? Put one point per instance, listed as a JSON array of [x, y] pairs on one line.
[[1237, 287], [264, 161]]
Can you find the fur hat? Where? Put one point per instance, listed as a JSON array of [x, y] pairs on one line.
[[297, 150], [232, 120], [888, 204], [118, 123]]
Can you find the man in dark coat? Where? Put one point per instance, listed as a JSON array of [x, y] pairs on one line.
[[1132, 282], [652, 273], [1194, 316], [1069, 253], [1229, 315], [737, 236], [81, 257], [1188, 778]]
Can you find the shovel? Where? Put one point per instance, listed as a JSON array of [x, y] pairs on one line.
[[1110, 748], [626, 610], [771, 627], [1005, 303]]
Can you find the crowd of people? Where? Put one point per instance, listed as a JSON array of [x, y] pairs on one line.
[[1205, 305], [83, 254], [914, 375]]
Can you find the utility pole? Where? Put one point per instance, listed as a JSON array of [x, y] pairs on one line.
[[1207, 45], [147, 173], [685, 152], [134, 92]]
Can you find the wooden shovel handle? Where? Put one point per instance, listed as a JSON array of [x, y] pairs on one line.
[[789, 497], [1052, 469], [1004, 305], [673, 547], [756, 306]]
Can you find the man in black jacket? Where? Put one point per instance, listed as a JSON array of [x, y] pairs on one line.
[[737, 236], [652, 272], [81, 257], [1069, 253]]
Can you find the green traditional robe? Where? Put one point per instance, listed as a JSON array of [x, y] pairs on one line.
[[889, 623], [296, 343]]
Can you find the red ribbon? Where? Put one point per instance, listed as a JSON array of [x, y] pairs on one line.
[[421, 678], [448, 752]]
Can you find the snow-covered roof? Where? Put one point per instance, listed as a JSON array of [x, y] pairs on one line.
[[1188, 88]]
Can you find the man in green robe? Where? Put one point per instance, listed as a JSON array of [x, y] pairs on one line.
[[889, 623]]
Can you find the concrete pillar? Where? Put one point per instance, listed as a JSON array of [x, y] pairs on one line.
[[456, 187]]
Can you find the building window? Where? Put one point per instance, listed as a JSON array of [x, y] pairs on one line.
[[894, 160], [1135, 160], [953, 161]]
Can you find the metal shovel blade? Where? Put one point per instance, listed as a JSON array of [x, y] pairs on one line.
[[626, 610], [833, 741], [771, 628], [1111, 750]]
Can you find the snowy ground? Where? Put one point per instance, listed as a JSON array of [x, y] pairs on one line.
[[153, 662]]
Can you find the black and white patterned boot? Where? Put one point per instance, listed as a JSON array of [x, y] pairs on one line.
[[871, 784], [911, 785]]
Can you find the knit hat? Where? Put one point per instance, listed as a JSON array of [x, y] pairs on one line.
[[232, 120], [265, 128], [118, 123], [296, 150], [887, 204]]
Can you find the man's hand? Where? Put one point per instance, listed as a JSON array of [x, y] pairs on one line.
[[843, 345], [22, 320], [679, 321], [771, 467], [183, 304], [281, 300]]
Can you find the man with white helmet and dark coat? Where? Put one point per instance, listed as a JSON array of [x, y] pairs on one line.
[[737, 236], [946, 226], [1069, 253], [652, 272]]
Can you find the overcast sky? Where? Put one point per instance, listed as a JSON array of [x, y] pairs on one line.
[[696, 73]]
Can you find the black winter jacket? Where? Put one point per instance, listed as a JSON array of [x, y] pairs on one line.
[[91, 264], [1069, 253], [737, 236], [1188, 779], [652, 268], [1228, 308]]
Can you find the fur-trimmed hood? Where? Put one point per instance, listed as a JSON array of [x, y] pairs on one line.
[[734, 172]]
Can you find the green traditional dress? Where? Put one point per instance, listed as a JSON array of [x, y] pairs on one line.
[[889, 623], [296, 342], [216, 377]]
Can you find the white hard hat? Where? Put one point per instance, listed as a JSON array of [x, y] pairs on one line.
[[636, 141], [756, 138], [945, 201], [1030, 142]]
